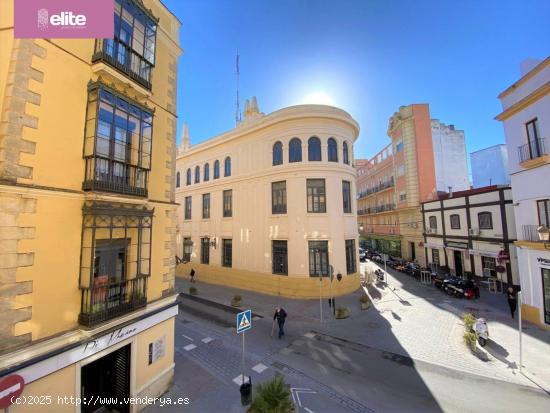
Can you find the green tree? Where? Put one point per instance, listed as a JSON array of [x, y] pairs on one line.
[[272, 396]]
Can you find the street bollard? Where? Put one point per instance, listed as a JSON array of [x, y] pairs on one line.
[[246, 392]]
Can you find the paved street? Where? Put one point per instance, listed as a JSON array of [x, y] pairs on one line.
[[366, 363]]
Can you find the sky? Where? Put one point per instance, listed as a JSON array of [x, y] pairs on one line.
[[368, 57]]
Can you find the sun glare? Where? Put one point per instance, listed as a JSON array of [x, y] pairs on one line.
[[318, 98]]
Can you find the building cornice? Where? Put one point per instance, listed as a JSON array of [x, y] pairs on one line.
[[525, 102], [529, 75], [282, 115]]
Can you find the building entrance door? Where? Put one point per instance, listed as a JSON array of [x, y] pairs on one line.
[[413, 251], [107, 382], [458, 263]]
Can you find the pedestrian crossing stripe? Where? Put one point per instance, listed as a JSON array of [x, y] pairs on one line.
[[244, 321]]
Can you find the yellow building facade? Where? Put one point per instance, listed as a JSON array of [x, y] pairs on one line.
[[87, 209], [270, 206]]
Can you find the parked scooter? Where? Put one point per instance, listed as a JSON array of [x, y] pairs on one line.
[[379, 275], [482, 331]]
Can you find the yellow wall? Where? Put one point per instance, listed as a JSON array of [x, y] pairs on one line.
[[145, 371], [61, 383], [286, 286]]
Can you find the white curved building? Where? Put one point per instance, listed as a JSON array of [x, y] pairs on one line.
[[271, 204]]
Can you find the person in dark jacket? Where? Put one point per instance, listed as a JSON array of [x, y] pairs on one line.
[[192, 275], [512, 300], [280, 316]]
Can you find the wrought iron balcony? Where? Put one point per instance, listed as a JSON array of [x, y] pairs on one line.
[[532, 150], [123, 58], [376, 209], [105, 300], [103, 174], [377, 188]]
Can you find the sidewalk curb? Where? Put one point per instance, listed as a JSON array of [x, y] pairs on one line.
[[215, 304]]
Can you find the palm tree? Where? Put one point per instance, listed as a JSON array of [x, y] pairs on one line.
[[272, 396]]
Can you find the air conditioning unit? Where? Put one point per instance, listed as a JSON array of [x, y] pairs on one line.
[[474, 231], [486, 272]]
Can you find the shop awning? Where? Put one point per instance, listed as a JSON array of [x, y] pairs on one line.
[[484, 253]]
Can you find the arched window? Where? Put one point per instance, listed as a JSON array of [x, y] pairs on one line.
[[314, 149], [227, 167], [332, 150], [188, 180], [177, 180], [206, 172], [345, 153], [277, 153], [197, 174], [295, 150], [216, 169]]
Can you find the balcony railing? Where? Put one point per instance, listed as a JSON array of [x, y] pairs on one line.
[[103, 174], [377, 188], [125, 59], [533, 149], [105, 301], [531, 233], [376, 209]]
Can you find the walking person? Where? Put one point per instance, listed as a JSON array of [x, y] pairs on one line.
[[192, 275], [280, 316], [512, 300]]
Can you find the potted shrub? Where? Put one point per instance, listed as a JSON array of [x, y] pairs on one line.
[[273, 396], [470, 339], [342, 312], [236, 301], [193, 290], [365, 302], [469, 321]]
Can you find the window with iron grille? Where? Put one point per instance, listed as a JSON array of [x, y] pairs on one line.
[[316, 198], [318, 258], [205, 250], [485, 220], [117, 143], [132, 49], [346, 194], [227, 253], [351, 262], [279, 253], [188, 200], [278, 197], [115, 260], [205, 206], [455, 221], [228, 203]]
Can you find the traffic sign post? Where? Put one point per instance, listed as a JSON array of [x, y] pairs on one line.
[[244, 322]]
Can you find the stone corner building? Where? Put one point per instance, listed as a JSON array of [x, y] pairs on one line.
[[270, 205], [87, 208]]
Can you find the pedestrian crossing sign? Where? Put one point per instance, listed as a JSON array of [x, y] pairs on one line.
[[244, 321]]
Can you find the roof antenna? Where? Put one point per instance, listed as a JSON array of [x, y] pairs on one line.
[[238, 103]]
